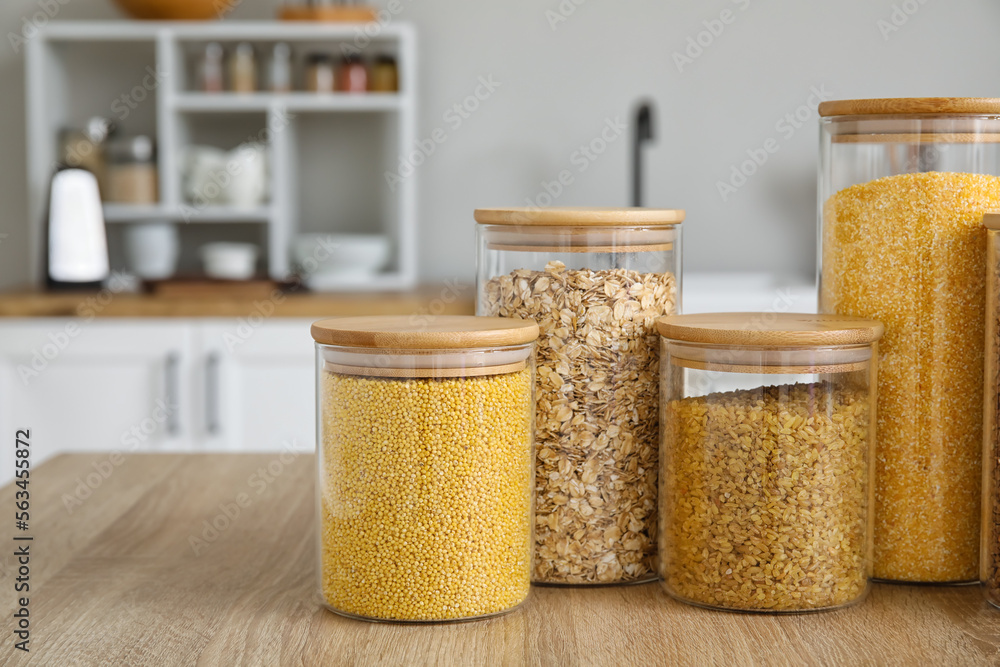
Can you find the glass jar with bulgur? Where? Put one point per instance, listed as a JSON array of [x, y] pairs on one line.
[[595, 280], [989, 555], [425, 465], [768, 425], [904, 184]]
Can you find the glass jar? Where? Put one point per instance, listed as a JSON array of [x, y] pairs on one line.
[[425, 465], [385, 75], [903, 187], [320, 76], [243, 69], [352, 76], [131, 174], [595, 280], [989, 556], [768, 425]]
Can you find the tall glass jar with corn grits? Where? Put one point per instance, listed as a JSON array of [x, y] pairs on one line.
[[426, 465], [903, 186], [595, 280]]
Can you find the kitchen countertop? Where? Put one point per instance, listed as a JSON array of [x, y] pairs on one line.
[[452, 299], [123, 579]]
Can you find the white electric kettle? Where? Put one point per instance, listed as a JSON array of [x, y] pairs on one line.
[[77, 244]]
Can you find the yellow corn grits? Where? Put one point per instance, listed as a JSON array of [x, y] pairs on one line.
[[909, 250]]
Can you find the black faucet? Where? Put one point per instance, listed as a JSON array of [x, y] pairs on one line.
[[642, 132]]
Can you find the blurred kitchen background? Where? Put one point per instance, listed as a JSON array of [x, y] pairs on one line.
[[257, 174]]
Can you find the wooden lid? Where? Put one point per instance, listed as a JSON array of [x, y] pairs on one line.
[[770, 329], [417, 332], [992, 220], [579, 217], [911, 106]]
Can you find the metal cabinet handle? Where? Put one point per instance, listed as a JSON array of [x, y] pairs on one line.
[[172, 369], [212, 420]]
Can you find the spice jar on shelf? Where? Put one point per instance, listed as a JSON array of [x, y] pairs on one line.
[[989, 556], [320, 76], [243, 69], [767, 426], [904, 184], [131, 173], [211, 69], [595, 280], [425, 465], [385, 75], [353, 75]]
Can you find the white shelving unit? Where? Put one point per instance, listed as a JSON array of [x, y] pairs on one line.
[[329, 152]]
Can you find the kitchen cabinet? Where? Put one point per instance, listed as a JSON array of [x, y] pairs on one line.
[[257, 385], [82, 386], [143, 385]]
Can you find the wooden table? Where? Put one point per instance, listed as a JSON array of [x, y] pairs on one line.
[[447, 298], [117, 581]]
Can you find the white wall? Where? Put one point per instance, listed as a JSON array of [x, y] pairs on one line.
[[558, 86]]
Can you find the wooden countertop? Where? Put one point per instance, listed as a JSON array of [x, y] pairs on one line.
[[451, 299], [117, 581]]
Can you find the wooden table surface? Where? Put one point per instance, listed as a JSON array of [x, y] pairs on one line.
[[449, 298], [117, 581]]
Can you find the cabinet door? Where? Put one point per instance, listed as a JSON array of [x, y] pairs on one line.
[[257, 388], [97, 385]]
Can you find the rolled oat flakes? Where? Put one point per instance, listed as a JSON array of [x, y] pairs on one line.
[[596, 416]]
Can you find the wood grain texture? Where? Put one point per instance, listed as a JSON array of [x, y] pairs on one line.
[[116, 582], [911, 105], [42, 304], [770, 329], [572, 216], [405, 332]]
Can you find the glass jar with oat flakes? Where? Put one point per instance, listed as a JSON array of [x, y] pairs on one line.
[[767, 425], [903, 187], [425, 465], [595, 280]]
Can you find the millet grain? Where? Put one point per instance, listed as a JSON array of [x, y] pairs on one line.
[[426, 495]]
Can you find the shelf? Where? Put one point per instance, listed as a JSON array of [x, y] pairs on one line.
[[124, 213], [222, 30], [301, 101], [328, 153]]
